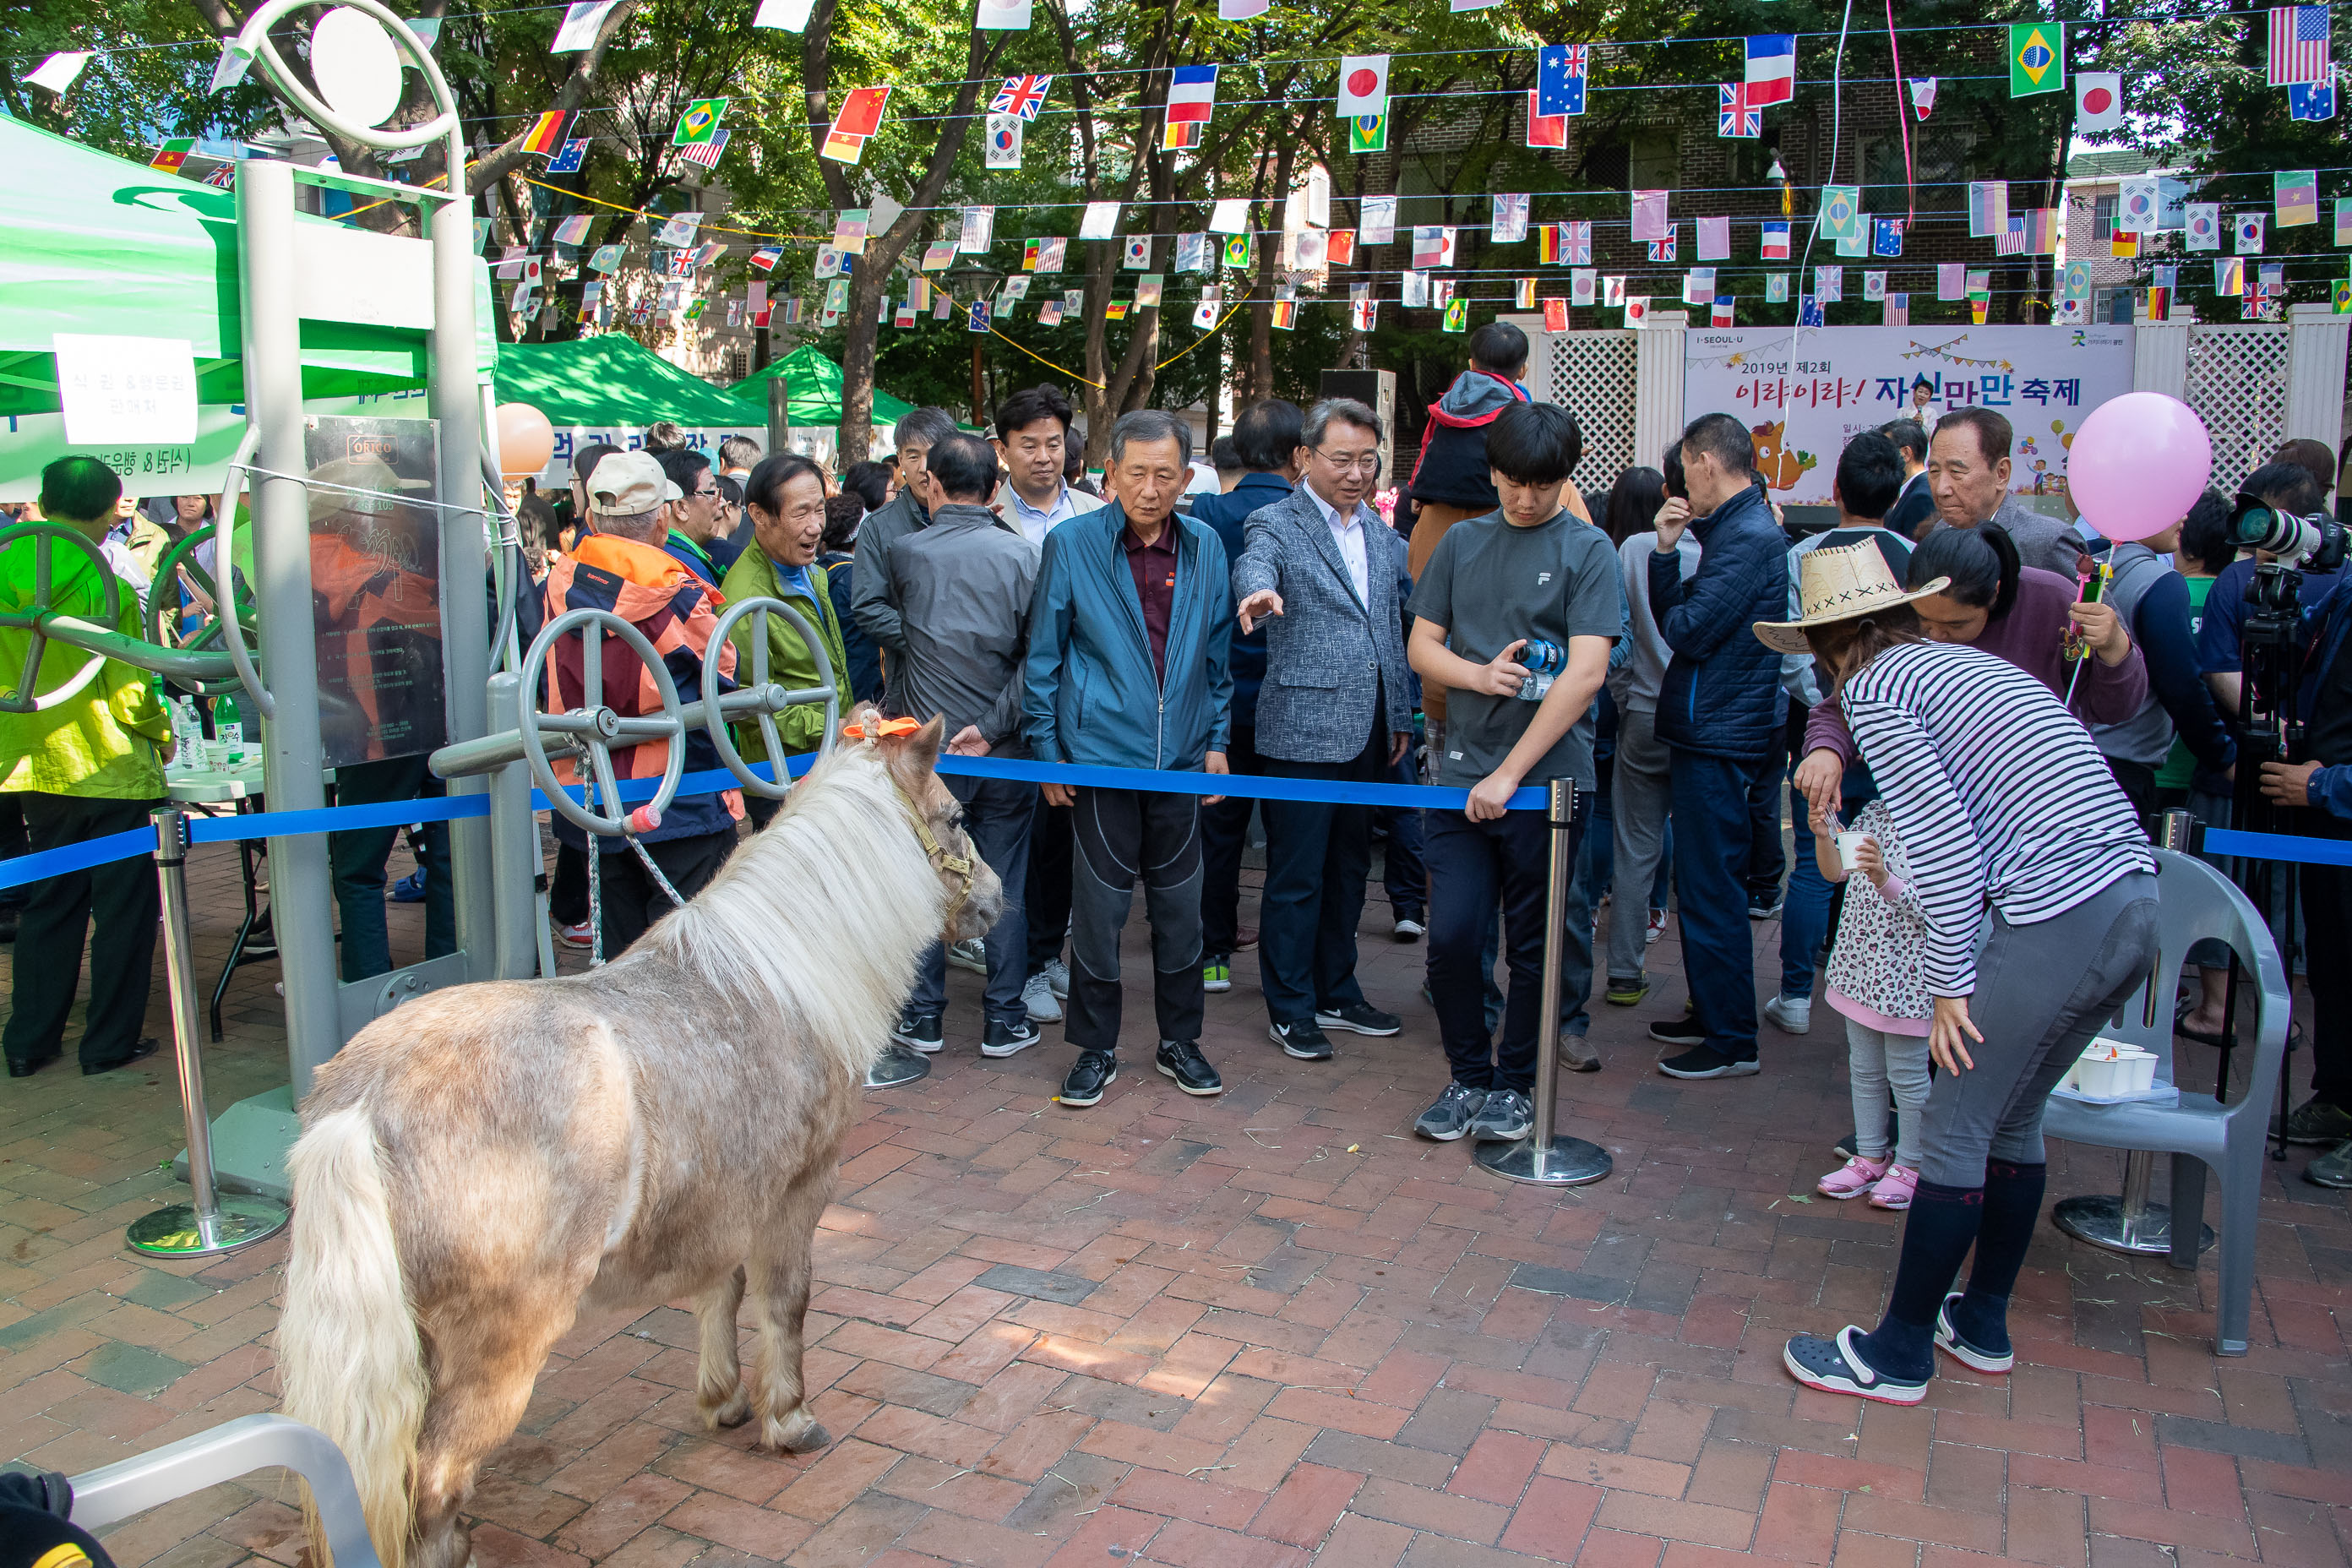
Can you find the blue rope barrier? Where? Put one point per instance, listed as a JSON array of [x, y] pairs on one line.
[[2278, 846], [134, 842]]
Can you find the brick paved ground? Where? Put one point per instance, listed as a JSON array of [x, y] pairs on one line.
[[1260, 1328]]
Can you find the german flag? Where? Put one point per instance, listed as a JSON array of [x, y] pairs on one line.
[[1547, 244], [547, 136]]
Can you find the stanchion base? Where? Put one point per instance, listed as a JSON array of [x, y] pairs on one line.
[[176, 1232], [2099, 1220], [895, 1065], [1565, 1162]]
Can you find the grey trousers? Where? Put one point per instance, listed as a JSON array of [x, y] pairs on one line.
[[1643, 791], [2043, 992]]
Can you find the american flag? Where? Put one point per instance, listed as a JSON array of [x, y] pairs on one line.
[[2010, 241], [1734, 115], [706, 153], [2298, 45], [1021, 95]]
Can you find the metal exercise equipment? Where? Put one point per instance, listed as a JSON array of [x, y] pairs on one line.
[[1542, 1157]]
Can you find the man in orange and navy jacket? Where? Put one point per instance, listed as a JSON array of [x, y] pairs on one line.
[[622, 568]]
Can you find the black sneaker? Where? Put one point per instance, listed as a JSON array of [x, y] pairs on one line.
[[1182, 1060], [1700, 1061], [1303, 1040], [1450, 1116], [1763, 907], [1006, 1038], [2332, 1169], [1357, 1018], [1844, 1147], [1506, 1118], [2318, 1122], [1094, 1072], [918, 1031], [1682, 1031]]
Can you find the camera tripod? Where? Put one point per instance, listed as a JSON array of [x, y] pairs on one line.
[[2268, 728]]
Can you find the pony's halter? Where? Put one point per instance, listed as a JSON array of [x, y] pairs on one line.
[[960, 867]]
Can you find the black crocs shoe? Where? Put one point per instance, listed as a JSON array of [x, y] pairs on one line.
[[1182, 1060], [1094, 1072], [1954, 1343], [1836, 1366]]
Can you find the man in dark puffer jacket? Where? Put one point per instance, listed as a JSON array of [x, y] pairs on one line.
[[1719, 715]]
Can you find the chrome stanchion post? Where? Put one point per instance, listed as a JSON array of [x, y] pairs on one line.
[[1542, 1157], [211, 1224]]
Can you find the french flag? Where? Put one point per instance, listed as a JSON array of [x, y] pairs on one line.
[[1191, 93], [1771, 69]]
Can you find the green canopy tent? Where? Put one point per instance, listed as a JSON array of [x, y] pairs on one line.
[[96, 244], [813, 383], [615, 383]]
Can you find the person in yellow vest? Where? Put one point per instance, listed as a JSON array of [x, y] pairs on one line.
[[90, 766]]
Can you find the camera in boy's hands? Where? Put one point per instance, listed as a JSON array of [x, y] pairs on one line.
[[1544, 660]]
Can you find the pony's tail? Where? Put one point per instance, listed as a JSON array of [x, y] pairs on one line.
[[349, 1360]]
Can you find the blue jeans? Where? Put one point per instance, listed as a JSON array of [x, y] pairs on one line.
[[1710, 806], [1805, 916], [997, 813], [1403, 871]]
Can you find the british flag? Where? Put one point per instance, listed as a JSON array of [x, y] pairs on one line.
[[2298, 45], [1021, 95], [1734, 115]]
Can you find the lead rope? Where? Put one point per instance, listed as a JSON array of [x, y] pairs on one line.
[[596, 893]]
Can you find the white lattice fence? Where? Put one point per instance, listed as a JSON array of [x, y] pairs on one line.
[[1590, 374], [2237, 382]]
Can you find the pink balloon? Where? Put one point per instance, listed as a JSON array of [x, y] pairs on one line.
[[2138, 464], [526, 440]]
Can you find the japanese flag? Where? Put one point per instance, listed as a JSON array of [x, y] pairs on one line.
[[1363, 84], [2098, 102]]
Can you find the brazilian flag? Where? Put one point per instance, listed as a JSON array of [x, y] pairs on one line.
[[699, 125], [1368, 134], [2037, 58]]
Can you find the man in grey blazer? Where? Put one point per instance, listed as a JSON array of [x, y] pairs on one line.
[[1969, 474], [1328, 578]]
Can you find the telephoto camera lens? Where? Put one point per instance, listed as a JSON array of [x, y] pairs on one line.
[[2314, 541]]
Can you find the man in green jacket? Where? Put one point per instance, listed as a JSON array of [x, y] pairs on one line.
[[90, 766], [784, 499]]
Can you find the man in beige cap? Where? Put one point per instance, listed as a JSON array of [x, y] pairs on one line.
[[621, 567]]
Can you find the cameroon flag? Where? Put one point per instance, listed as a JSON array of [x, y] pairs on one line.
[[172, 154], [2037, 58]]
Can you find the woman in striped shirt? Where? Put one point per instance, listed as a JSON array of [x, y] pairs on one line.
[[2001, 800]]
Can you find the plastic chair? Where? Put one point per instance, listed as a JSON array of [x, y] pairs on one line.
[[114, 1492], [2197, 902]]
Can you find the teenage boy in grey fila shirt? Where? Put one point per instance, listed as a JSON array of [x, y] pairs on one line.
[[1530, 572]]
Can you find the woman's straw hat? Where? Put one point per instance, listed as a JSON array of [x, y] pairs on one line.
[[1841, 584]]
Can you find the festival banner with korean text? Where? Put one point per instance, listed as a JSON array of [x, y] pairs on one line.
[[1845, 380]]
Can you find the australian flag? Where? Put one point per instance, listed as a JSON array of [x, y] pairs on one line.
[[569, 160], [1809, 310], [1560, 71], [2311, 101]]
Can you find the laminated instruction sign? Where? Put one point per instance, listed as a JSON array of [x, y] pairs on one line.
[[126, 391], [1845, 380]]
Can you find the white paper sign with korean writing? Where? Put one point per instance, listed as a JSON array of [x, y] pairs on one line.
[[138, 392], [1845, 380]]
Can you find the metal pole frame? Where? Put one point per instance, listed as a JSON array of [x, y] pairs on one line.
[[1542, 1157], [210, 1223], [272, 361]]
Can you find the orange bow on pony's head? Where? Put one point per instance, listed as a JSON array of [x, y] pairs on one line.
[[887, 727]]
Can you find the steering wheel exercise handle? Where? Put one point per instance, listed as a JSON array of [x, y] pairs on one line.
[[594, 727], [768, 697], [44, 538], [164, 609]]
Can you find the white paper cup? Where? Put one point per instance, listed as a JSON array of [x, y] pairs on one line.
[[1849, 848]]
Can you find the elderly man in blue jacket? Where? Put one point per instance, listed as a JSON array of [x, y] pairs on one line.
[[1336, 706], [1719, 715], [1129, 643]]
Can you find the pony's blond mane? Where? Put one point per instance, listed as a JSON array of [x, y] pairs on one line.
[[816, 918]]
